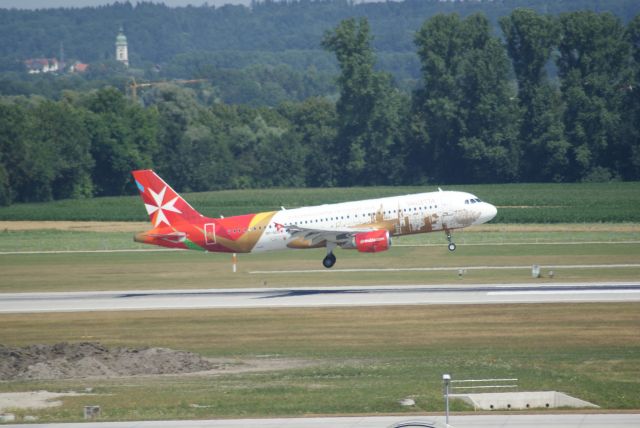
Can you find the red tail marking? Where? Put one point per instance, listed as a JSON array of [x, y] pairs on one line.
[[164, 206]]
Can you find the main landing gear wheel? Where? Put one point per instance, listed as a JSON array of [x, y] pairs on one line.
[[329, 261], [452, 246]]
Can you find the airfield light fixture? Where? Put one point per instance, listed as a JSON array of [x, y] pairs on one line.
[[446, 378]]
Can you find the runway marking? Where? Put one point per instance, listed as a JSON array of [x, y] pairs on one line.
[[488, 244], [444, 268], [581, 292]]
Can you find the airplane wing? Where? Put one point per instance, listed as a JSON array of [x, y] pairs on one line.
[[317, 235]]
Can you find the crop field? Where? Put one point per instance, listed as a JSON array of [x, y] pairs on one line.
[[517, 203]]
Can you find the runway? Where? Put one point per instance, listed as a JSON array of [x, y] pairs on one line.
[[467, 421], [452, 294]]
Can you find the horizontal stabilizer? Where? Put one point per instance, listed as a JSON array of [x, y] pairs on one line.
[[175, 237]]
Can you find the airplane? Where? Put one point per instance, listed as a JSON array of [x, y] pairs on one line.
[[366, 225]]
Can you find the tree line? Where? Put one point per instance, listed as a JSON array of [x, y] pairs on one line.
[[236, 37], [486, 111], [259, 55]]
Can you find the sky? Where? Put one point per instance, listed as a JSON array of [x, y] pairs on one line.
[[39, 4]]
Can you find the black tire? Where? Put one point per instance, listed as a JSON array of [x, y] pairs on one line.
[[329, 261], [452, 246]]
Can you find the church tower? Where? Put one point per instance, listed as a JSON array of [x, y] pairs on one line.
[[122, 53]]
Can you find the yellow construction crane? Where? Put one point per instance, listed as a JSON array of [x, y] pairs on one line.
[[133, 85]]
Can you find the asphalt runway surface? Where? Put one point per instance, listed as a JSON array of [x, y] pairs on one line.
[[466, 421], [454, 294]]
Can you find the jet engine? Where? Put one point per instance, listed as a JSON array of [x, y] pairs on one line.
[[372, 242]]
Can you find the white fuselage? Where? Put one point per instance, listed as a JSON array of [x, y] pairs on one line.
[[400, 215]]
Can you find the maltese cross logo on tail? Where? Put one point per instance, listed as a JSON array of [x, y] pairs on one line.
[[161, 206]]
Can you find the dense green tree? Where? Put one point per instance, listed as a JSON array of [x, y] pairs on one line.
[[193, 155], [14, 120], [630, 144], [530, 38], [123, 138], [204, 160], [157, 33], [368, 116], [465, 123], [350, 42], [243, 144], [265, 151], [44, 151], [280, 156], [5, 188], [594, 70], [313, 123], [59, 131], [464, 120], [262, 85]]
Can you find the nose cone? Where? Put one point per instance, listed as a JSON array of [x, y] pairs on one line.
[[487, 214]]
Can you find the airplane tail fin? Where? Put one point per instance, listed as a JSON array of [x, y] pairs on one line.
[[164, 206]]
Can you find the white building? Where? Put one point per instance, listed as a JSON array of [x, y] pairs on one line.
[[41, 65], [122, 52]]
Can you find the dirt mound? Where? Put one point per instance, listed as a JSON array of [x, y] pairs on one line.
[[89, 359]]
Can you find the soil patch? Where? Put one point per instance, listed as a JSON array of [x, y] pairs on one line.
[[91, 360], [32, 400]]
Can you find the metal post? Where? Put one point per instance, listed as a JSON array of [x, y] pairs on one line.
[[446, 378], [234, 260]]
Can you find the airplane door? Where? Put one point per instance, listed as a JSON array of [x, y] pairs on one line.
[[210, 233], [446, 213]]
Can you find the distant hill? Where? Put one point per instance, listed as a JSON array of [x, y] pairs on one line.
[[291, 31]]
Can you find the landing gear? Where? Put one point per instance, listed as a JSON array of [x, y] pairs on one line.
[[329, 260], [452, 246]]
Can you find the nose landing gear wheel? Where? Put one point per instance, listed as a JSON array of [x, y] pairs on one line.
[[329, 261], [452, 246]]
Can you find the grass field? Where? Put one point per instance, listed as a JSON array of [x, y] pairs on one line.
[[365, 359], [487, 246], [50, 236], [517, 203]]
